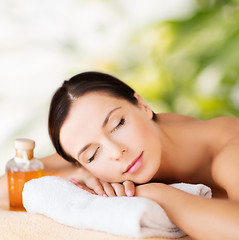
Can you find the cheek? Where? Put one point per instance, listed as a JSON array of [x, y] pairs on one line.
[[137, 132], [103, 172], [106, 177], [133, 131]]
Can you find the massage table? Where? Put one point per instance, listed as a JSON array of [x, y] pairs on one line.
[[26, 226]]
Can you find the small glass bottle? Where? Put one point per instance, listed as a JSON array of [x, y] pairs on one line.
[[20, 169]]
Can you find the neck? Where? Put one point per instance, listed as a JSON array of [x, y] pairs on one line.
[[167, 171]]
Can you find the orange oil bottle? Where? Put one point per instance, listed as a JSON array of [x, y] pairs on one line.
[[20, 169]]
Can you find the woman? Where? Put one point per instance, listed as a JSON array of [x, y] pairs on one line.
[[99, 122]]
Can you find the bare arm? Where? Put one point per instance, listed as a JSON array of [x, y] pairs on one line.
[[3, 189], [53, 165], [57, 166], [200, 218]]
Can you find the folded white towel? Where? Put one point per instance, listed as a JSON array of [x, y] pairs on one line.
[[68, 204]]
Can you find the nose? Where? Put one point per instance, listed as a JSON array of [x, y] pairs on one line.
[[116, 150]]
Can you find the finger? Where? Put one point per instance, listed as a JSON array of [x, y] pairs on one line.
[[89, 190], [129, 188], [119, 189], [76, 182], [108, 189], [96, 185], [81, 185]]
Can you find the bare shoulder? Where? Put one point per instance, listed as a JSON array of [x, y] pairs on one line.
[[225, 121], [225, 168], [225, 164], [175, 117], [227, 125], [220, 127], [219, 131]]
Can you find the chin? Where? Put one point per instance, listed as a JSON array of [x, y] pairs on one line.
[[143, 180], [147, 176]]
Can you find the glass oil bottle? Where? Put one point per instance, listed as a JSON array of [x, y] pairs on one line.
[[20, 169]]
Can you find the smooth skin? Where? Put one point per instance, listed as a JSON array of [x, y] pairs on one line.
[[55, 165], [175, 148]]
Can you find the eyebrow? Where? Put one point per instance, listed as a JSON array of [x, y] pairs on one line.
[[108, 116], [103, 125]]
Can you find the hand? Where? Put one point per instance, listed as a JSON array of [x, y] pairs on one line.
[[127, 188], [85, 180], [57, 166], [152, 191]]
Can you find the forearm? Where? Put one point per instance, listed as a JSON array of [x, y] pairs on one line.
[[199, 217], [53, 165], [3, 188], [56, 165]]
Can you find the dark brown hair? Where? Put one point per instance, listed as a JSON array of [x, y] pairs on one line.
[[75, 87]]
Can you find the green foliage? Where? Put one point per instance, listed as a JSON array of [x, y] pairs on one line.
[[189, 66]]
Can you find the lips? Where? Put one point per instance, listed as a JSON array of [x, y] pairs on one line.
[[135, 165]]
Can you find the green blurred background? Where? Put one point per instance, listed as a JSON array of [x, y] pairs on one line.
[[188, 66], [181, 56]]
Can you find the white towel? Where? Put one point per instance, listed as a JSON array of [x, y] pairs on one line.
[[68, 204]]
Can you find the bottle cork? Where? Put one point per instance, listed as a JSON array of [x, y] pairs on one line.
[[24, 144]]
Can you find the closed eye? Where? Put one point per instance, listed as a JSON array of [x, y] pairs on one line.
[[93, 156], [121, 123]]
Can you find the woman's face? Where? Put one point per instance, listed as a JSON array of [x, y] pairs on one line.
[[112, 138]]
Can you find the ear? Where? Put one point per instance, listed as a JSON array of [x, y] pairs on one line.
[[144, 106]]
